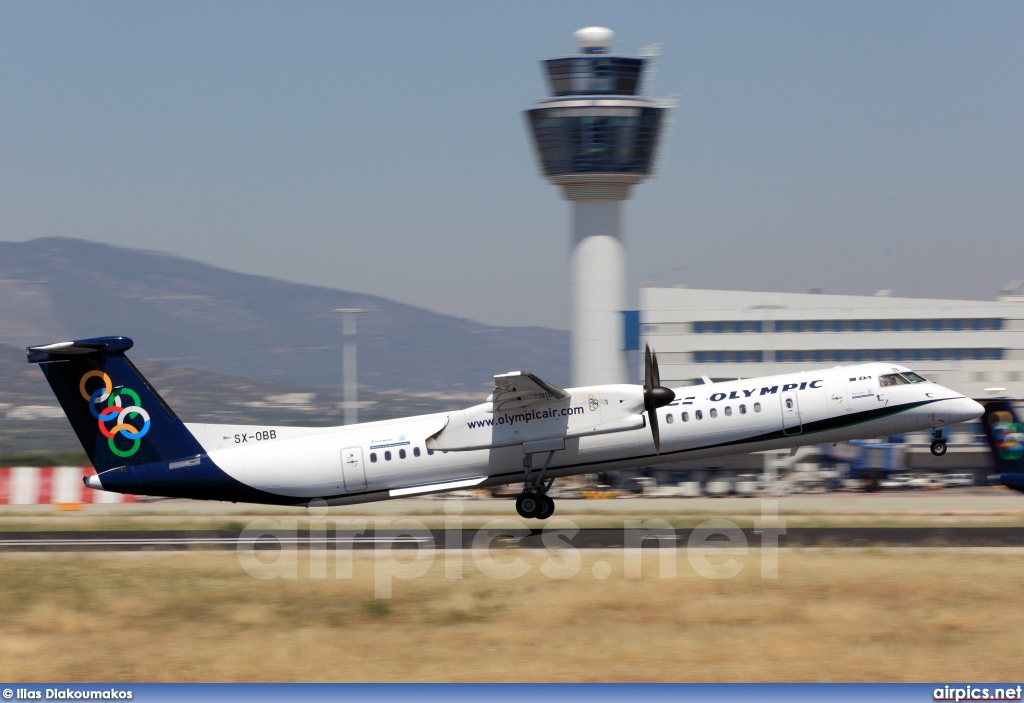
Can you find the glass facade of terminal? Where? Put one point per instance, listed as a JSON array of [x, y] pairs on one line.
[[916, 325], [849, 355], [595, 140]]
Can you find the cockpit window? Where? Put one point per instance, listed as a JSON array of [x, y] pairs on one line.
[[892, 379], [913, 377]]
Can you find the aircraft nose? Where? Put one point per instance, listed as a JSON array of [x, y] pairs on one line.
[[975, 409]]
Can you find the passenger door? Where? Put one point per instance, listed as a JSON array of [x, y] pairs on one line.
[[790, 414], [352, 469]]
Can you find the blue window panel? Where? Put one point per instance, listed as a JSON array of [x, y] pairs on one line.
[[698, 328], [572, 140], [798, 325], [756, 326], [996, 325], [997, 353], [978, 324], [719, 357], [897, 325], [917, 325], [630, 330], [936, 325], [719, 327]]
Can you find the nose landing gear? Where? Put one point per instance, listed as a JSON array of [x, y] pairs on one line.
[[939, 445]]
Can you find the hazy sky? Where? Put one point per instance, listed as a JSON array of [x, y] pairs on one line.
[[380, 147]]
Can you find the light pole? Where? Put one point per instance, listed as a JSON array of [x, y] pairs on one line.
[[348, 363]]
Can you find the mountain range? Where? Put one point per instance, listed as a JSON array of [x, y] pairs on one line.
[[187, 314]]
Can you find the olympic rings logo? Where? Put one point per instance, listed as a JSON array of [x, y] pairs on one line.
[[1008, 435], [115, 411], [592, 402]]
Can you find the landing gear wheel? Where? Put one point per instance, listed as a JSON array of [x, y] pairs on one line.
[[528, 505], [938, 447], [547, 509]]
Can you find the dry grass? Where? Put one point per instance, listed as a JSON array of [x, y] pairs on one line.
[[831, 616]]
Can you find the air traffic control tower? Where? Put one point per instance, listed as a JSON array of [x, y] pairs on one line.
[[596, 137]]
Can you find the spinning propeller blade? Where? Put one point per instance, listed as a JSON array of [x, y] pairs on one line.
[[655, 395]]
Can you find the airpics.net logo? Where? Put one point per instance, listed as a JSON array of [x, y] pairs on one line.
[[117, 411]]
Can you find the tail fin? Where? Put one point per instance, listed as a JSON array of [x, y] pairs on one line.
[[1005, 435], [118, 417]]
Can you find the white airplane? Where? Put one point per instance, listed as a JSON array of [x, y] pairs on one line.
[[526, 431]]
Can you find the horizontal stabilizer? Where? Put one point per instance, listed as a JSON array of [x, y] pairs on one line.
[[62, 351]]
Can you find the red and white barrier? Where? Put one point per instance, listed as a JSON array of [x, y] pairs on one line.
[[31, 485]]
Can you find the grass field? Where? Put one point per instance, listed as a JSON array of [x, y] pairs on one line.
[[832, 615]]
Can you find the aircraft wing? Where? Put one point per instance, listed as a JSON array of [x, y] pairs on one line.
[[520, 389]]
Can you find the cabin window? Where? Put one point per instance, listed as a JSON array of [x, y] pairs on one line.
[[714, 412], [415, 451], [685, 417], [699, 415], [757, 407], [668, 418], [430, 452], [728, 410], [401, 453], [373, 457], [743, 410], [892, 379], [387, 456]]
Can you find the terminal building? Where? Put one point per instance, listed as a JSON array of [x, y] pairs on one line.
[[973, 346]]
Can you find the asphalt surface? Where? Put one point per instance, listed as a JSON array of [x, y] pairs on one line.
[[191, 540]]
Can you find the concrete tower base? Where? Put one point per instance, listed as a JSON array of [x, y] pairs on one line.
[[598, 295]]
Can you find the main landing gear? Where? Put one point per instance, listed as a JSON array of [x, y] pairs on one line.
[[534, 502], [939, 445], [535, 505]]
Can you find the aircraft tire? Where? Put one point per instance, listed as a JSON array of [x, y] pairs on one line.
[[547, 509], [529, 505], [938, 447]]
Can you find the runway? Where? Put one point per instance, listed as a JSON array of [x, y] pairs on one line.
[[523, 538]]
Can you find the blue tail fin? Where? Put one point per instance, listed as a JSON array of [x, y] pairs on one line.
[[118, 417], [1005, 435]]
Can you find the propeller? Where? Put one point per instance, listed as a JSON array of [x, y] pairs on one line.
[[655, 395]]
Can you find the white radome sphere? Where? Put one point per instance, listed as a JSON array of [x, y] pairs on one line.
[[594, 37]]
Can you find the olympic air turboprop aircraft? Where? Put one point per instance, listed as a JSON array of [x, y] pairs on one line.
[[526, 431]]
